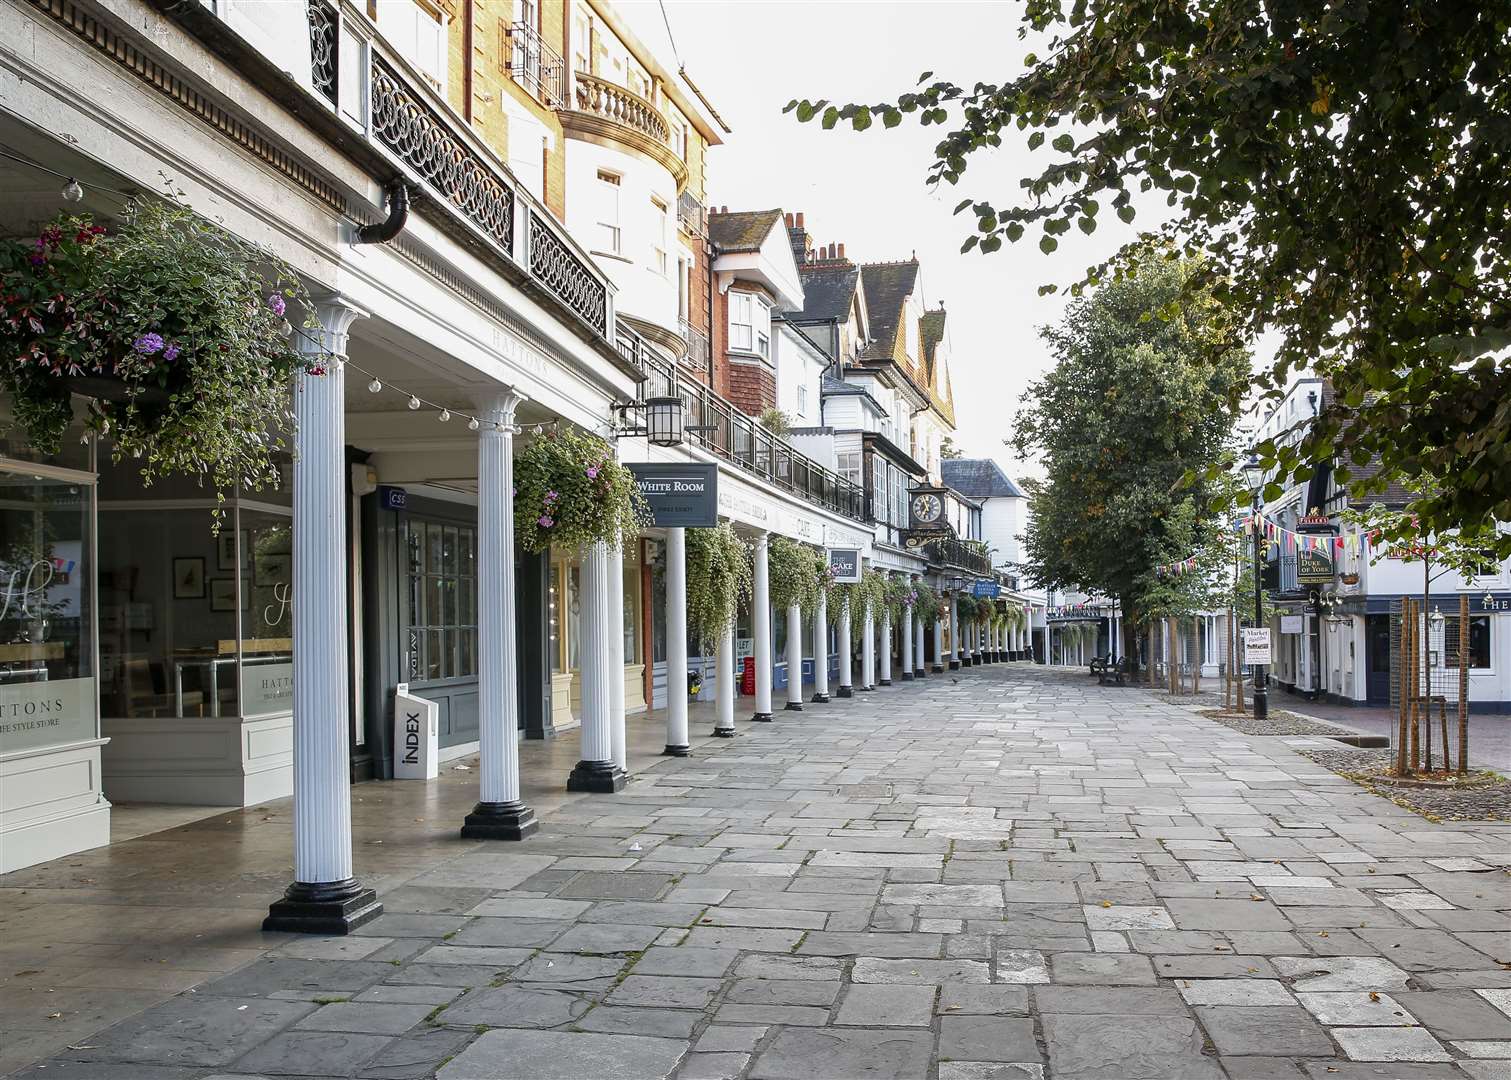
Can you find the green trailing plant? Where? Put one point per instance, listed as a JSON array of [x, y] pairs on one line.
[[718, 579], [873, 587], [925, 603], [965, 608], [792, 574], [569, 491], [174, 329], [898, 593]]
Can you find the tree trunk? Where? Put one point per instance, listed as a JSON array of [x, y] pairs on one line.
[[1403, 682]]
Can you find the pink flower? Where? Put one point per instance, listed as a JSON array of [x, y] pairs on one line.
[[552, 496], [545, 521], [592, 472]]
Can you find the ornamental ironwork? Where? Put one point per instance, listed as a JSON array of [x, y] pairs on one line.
[[554, 265], [323, 51], [536, 66], [408, 127]]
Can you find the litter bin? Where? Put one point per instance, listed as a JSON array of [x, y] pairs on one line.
[[416, 741]]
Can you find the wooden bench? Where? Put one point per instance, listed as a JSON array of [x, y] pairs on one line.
[[1099, 665], [1115, 672]]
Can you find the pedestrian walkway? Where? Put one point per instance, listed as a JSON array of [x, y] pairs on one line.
[[1005, 873]]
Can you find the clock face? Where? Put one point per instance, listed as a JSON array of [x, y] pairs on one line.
[[927, 508]]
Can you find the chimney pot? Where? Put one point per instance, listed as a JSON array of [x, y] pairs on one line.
[[831, 251], [842, 251], [787, 218], [799, 219]]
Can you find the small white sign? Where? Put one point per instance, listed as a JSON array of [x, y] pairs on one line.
[[1256, 645], [1290, 624], [416, 723]]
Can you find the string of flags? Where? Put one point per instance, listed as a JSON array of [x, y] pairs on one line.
[[1287, 540]]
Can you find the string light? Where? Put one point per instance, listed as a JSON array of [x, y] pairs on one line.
[[472, 424], [374, 387], [414, 403], [445, 416], [72, 191]]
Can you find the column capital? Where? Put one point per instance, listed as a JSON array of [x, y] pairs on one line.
[[497, 406], [335, 315]]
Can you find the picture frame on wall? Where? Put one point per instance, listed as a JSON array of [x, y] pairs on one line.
[[225, 550], [189, 577], [223, 594]]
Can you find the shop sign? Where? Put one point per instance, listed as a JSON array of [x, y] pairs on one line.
[[1290, 624], [986, 589], [844, 565], [267, 688], [1314, 567], [393, 498], [1256, 645], [679, 496], [47, 713], [1489, 603]]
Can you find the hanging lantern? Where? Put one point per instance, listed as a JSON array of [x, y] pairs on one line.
[[663, 421]]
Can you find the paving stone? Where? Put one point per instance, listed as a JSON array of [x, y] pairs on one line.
[[604, 938], [777, 966], [196, 1030], [514, 933], [569, 971], [593, 885], [1319, 973], [986, 896], [824, 943], [887, 1006], [1127, 917], [1020, 966], [529, 908], [497, 957], [1390, 1044], [665, 991], [782, 992], [313, 1053], [717, 1038], [1233, 992], [987, 1038], [870, 969], [1278, 1030], [415, 1056], [409, 995], [790, 1015], [1226, 915], [871, 1053], [1213, 967], [1424, 950], [634, 1020], [965, 1000], [1101, 969], [1108, 1000], [989, 1070], [1111, 1047], [560, 1055], [515, 1006], [1355, 1008], [364, 1018], [723, 1066], [682, 960], [264, 976]]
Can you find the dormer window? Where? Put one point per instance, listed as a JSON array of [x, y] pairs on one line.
[[749, 324]]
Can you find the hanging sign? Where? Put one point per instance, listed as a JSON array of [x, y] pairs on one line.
[[679, 496], [987, 589], [1290, 624], [1256, 645], [844, 565], [1314, 565], [392, 498]]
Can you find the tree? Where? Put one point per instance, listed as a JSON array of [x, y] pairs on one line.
[[948, 450], [1344, 166], [1135, 400]]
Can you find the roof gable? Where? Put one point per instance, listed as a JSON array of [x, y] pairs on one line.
[[741, 230], [980, 478]]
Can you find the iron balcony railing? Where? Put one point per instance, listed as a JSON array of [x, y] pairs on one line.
[[719, 427], [960, 554], [373, 90], [536, 66], [697, 346]]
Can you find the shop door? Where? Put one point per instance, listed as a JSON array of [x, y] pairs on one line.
[[1377, 659]]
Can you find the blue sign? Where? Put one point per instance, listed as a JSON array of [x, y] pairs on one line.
[[989, 590], [393, 498]]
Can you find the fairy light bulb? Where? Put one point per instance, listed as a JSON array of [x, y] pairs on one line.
[[374, 387], [473, 425], [445, 416], [414, 403], [72, 191]]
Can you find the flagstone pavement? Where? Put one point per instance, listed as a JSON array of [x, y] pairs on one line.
[[1007, 874]]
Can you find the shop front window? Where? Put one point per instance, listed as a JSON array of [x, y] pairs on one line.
[[47, 687], [442, 560], [267, 618]]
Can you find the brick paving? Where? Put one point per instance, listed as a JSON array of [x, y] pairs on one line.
[[1004, 875]]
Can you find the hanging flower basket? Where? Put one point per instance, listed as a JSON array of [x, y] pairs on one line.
[[792, 574], [718, 578], [569, 490], [172, 328]]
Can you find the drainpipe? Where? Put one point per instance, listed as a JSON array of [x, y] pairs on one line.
[[391, 226]]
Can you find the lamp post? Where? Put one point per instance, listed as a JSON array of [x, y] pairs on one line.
[[1253, 472]]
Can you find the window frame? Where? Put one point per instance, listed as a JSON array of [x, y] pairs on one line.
[[1451, 635], [610, 191]]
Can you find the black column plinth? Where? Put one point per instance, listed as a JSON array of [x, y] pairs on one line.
[[938, 669], [675, 751], [724, 733], [907, 676], [965, 661], [847, 691], [921, 673], [596, 777], [327, 907], [794, 706], [760, 718], [954, 665], [884, 682], [499, 821], [819, 699]]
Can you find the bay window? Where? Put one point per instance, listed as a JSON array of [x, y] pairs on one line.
[[749, 324]]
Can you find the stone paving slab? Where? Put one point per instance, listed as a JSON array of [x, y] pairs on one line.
[[1015, 875]]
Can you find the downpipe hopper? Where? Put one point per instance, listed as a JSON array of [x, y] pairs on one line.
[[398, 214]]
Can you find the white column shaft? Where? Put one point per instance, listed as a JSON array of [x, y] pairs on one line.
[[846, 646], [676, 637], [919, 652], [794, 654], [886, 643], [616, 654], [761, 605], [939, 657], [497, 684], [597, 743], [724, 687], [868, 649], [954, 631], [821, 647], [907, 639]]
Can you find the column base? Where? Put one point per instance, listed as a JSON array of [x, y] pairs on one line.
[[920, 673], [328, 907], [819, 699], [884, 682], [675, 751], [907, 676], [954, 665], [865, 689], [596, 777], [724, 733], [499, 821], [938, 669], [794, 706], [760, 718], [846, 691]]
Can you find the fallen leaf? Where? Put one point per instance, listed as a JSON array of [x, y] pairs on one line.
[[55, 1016], [1373, 996], [1106, 903]]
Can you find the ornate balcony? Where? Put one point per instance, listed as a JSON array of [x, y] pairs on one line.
[[605, 111], [536, 66]]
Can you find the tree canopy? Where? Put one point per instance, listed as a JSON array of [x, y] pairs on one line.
[[1140, 395], [1344, 166]]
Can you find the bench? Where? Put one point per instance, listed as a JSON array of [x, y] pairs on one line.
[[1115, 672], [1099, 665]]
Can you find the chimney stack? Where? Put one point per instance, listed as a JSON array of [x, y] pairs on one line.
[[788, 219]]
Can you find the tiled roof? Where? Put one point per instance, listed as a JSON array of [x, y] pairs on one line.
[[888, 286], [931, 330], [980, 478], [742, 230], [828, 290]]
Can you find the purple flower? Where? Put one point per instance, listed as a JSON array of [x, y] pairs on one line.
[[170, 354], [545, 521], [148, 343], [592, 472], [275, 302], [552, 496]]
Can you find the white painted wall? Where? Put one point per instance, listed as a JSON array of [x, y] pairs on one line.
[[799, 375]]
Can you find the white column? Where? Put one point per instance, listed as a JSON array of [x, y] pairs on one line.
[[724, 686], [761, 618], [676, 642], [596, 770], [868, 649], [907, 642], [939, 657], [846, 651], [821, 649], [794, 658], [954, 636], [499, 814], [619, 752], [919, 666], [324, 898], [886, 645]]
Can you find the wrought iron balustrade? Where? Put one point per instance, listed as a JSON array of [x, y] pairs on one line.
[[949, 551], [536, 66], [697, 346], [325, 52], [613, 102], [692, 214]]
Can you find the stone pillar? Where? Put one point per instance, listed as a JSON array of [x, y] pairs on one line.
[[620, 753], [499, 814], [939, 657], [886, 645], [596, 771], [724, 687], [676, 642], [919, 664], [868, 649], [906, 628], [821, 649], [954, 637], [846, 651], [794, 658], [761, 620], [324, 897]]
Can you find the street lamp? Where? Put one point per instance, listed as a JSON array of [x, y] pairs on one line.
[[663, 420], [1253, 473]]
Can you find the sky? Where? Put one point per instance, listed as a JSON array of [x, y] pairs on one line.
[[868, 190]]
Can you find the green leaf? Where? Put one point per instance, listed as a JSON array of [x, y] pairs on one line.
[[1125, 213], [1048, 244], [1064, 143], [1036, 140]]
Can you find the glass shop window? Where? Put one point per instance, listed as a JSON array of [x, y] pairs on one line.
[[1479, 642], [267, 620], [442, 616], [47, 686]]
